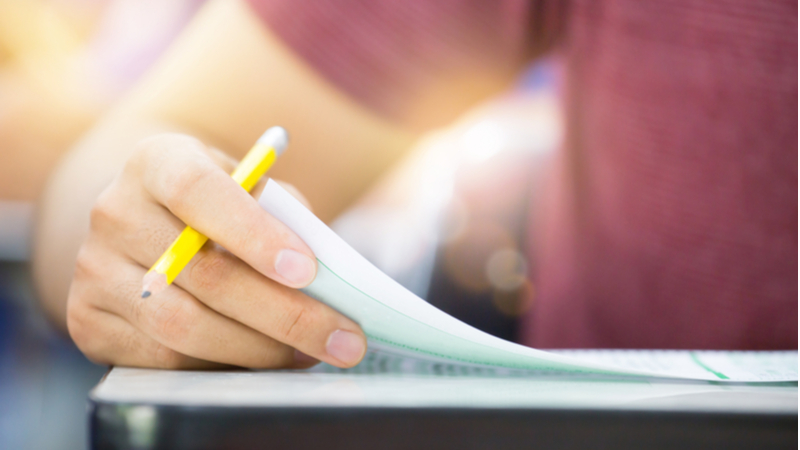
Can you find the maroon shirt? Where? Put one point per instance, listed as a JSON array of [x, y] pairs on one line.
[[670, 217]]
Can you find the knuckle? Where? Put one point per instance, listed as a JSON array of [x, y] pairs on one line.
[[173, 320], [297, 323], [86, 267], [182, 181], [173, 164], [211, 270], [252, 236], [104, 211]]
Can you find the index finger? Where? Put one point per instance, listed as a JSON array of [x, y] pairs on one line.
[[178, 174]]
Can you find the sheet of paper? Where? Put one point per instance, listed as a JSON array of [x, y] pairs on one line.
[[400, 323]]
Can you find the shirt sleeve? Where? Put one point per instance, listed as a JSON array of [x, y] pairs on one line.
[[385, 52]]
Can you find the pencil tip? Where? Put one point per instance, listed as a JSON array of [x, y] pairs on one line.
[[153, 283]]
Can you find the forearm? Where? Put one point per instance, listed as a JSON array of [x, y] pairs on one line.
[[225, 81], [228, 79]]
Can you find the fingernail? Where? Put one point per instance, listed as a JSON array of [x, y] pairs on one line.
[[345, 346], [298, 269]]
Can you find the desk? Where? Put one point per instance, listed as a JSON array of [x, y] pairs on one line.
[[141, 408]]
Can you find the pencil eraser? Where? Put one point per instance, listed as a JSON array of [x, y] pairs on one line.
[[275, 137]]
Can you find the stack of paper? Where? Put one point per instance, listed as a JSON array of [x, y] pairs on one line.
[[399, 323]]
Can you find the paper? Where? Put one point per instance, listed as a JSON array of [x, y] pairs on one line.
[[380, 389], [400, 323]]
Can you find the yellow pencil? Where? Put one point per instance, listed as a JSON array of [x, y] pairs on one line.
[[254, 165]]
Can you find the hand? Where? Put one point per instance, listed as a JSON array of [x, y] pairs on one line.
[[235, 303]]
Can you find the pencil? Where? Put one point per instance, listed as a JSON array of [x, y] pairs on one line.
[[254, 165]]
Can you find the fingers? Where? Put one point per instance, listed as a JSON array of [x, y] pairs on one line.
[[229, 286], [177, 173], [174, 318], [223, 309], [123, 344]]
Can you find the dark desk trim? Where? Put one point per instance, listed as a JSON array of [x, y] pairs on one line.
[[189, 427]]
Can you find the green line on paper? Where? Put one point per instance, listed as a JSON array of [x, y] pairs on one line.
[[719, 375], [544, 366]]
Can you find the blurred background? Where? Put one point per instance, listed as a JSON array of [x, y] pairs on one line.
[[447, 222], [62, 64]]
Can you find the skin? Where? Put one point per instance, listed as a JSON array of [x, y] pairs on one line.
[[128, 188], [222, 307]]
